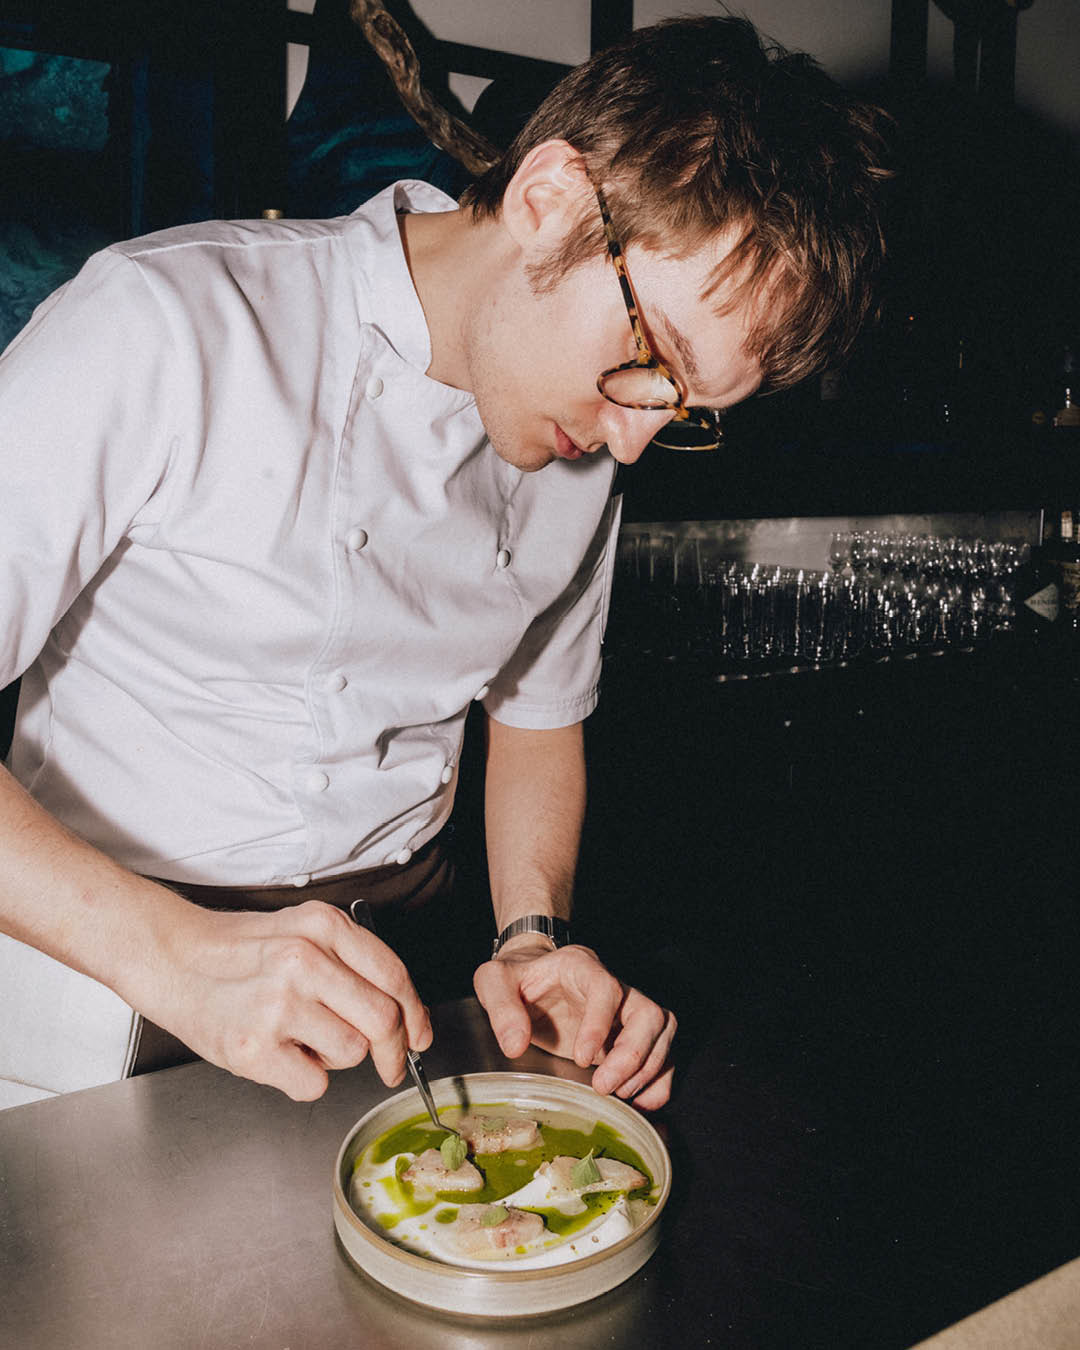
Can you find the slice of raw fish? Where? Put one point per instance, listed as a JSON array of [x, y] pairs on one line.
[[470, 1235], [428, 1172], [497, 1133], [614, 1176]]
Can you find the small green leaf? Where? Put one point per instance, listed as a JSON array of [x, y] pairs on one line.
[[453, 1152], [585, 1171], [493, 1215], [493, 1124]]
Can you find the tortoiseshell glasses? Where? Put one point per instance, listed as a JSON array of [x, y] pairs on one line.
[[645, 382]]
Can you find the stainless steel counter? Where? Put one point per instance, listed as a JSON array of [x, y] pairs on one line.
[[190, 1209]]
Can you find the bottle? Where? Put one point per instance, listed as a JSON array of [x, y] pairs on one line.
[[913, 411], [1055, 404], [1065, 557], [1066, 423], [1068, 415], [1037, 589], [954, 407]]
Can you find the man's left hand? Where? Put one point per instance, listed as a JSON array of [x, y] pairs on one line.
[[568, 1003]]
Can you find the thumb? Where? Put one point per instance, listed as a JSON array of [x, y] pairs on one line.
[[496, 987]]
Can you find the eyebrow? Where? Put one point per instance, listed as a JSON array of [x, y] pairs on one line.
[[686, 352]]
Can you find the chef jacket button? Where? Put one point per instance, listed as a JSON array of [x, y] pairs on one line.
[[502, 558], [356, 538], [374, 387], [301, 879], [482, 692], [316, 781], [335, 683], [403, 857], [447, 773]]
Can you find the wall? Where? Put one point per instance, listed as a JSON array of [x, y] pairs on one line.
[[849, 37], [851, 40], [556, 30]]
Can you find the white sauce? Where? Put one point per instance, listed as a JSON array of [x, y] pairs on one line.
[[426, 1236]]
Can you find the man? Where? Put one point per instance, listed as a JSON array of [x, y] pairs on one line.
[[292, 495]]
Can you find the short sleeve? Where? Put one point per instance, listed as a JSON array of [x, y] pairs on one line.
[[86, 429], [553, 678]]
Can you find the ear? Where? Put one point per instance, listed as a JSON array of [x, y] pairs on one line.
[[545, 197]]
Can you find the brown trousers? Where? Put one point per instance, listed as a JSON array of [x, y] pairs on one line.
[[401, 908]]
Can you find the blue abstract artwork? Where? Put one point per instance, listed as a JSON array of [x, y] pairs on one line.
[[59, 177]]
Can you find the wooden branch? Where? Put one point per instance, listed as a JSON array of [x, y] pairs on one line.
[[394, 49]]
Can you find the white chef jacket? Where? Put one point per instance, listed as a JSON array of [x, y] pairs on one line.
[[258, 564]]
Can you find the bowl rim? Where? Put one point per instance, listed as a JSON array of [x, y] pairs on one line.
[[388, 1250]]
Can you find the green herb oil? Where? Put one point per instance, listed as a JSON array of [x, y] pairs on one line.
[[503, 1173]]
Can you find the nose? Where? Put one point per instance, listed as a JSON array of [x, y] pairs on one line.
[[629, 430]]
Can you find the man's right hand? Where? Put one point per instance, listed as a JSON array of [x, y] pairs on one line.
[[283, 997], [277, 997]]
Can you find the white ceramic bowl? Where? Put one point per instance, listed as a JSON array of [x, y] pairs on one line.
[[500, 1293]]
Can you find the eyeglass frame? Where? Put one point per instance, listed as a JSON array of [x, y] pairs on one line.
[[707, 419]]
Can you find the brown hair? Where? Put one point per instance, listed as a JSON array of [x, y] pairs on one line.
[[695, 125]]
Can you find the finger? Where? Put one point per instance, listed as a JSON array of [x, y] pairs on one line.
[[655, 1063], [496, 986], [603, 995], [658, 1093], [377, 1019], [364, 954], [384, 969], [388, 1049], [644, 1023], [309, 977], [590, 995], [292, 1070], [335, 1043]]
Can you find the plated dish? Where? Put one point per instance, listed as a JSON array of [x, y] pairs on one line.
[[554, 1196]]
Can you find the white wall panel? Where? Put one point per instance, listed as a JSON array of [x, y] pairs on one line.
[[849, 37], [939, 40], [851, 40], [467, 89], [296, 60], [551, 30], [1048, 64], [1047, 61]]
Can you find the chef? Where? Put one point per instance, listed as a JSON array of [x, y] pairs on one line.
[[289, 497]]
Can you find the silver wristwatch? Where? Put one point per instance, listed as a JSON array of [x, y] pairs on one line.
[[556, 930]]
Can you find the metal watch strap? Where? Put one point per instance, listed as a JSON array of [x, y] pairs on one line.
[[557, 930]]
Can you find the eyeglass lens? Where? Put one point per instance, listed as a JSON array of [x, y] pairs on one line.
[[689, 435], [640, 386]]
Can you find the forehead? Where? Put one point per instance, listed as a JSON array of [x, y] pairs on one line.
[[702, 326]]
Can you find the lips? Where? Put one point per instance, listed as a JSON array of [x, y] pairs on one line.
[[564, 446]]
